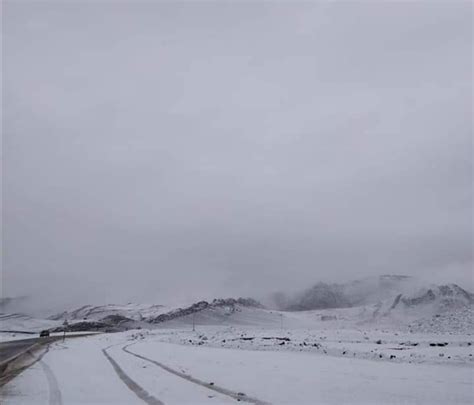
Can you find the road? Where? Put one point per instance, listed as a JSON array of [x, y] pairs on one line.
[[13, 348]]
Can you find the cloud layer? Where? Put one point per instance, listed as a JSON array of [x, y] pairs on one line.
[[171, 151]]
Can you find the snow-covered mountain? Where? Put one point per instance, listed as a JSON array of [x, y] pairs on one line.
[[24, 323], [217, 308], [121, 317], [136, 312], [148, 313], [442, 298], [386, 301], [366, 291], [444, 308], [433, 299]]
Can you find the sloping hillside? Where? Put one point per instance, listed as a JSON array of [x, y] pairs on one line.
[[24, 323], [355, 293], [136, 312], [443, 308]]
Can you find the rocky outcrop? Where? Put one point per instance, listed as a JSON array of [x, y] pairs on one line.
[[245, 302], [387, 292], [367, 291], [427, 297], [320, 296], [202, 305], [137, 312], [180, 312], [444, 296], [110, 323]]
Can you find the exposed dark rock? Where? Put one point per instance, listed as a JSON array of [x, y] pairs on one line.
[[83, 327], [115, 320], [180, 312], [396, 301], [320, 296], [328, 317], [110, 323], [286, 339], [245, 302], [202, 305], [427, 297]]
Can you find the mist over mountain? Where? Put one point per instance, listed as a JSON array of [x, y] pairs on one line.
[[305, 141], [287, 177], [378, 297], [393, 301], [407, 290]]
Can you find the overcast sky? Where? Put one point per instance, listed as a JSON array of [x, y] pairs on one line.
[[164, 152]]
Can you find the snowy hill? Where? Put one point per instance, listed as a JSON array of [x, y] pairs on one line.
[[136, 312], [114, 318], [24, 323], [443, 298], [393, 302], [371, 290], [427, 300], [443, 308], [225, 306]]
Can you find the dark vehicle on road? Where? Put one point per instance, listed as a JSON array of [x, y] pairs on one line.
[[44, 333]]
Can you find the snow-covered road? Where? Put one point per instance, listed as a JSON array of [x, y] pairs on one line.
[[121, 369]]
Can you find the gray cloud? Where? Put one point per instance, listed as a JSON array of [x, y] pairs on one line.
[[161, 151]]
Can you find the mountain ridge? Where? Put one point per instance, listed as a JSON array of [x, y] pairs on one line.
[[372, 290]]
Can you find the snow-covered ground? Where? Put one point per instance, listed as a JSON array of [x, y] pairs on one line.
[[223, 364], [416, 352], [377, 345]]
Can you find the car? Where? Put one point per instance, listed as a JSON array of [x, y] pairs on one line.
[[44, 333]]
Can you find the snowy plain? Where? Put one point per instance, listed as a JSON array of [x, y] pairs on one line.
[[288, 360]]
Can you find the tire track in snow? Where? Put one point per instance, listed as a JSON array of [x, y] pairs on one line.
[[132, 385], [221, 390], [55, 397]]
